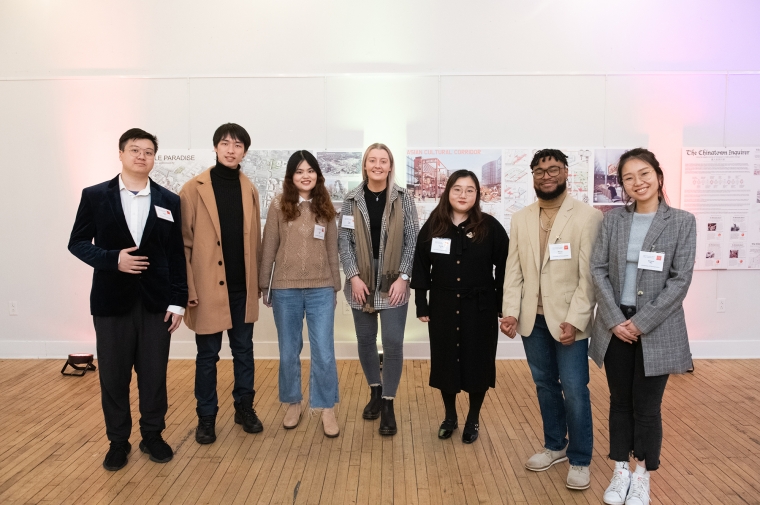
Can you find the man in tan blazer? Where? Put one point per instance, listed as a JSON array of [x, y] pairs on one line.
[[221, 228], [549, 300]]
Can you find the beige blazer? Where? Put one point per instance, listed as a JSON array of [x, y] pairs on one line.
[[202, 235], [567, 289]]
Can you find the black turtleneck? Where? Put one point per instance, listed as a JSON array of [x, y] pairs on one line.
[[229, 202]]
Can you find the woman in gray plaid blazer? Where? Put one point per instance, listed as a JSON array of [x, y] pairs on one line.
[[376, 239], [641, 266]]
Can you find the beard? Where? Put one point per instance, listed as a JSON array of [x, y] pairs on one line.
[[551, 195]]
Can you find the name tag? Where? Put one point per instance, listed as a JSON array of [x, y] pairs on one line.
[[441, 246], [319, 232], [651, 261], [347, 222], [559, 252], [163, 213]]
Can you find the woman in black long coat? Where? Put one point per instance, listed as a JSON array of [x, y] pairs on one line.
[[460, 259]]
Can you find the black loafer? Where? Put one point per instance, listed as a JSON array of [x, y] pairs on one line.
[[158, 450], [447, 428], [116, 457], [470, 432]]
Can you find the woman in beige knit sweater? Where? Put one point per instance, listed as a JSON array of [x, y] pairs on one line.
[[301, 247]]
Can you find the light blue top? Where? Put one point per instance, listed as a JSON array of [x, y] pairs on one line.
[[639, 229]]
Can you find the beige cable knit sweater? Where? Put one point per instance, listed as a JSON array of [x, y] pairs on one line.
[[300, 260]]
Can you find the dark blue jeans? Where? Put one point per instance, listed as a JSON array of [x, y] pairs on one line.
[[562, 370], [241, 345]]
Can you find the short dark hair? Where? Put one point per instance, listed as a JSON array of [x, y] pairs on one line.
[[235, 132], [548, 153], [136, 134]]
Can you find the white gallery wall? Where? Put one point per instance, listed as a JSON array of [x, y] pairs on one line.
[[342, 74]]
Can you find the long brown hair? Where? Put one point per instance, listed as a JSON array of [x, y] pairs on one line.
[[649, 158], [321, 205], [440, 218]]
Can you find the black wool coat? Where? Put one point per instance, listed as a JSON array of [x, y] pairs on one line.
[[466, 289]]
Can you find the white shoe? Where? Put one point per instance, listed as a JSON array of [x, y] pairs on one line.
[[618, 489], [545, 459], [638, 494], [578, 477]]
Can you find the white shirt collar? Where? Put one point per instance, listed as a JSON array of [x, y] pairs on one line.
[[302, 199], [142, 192]]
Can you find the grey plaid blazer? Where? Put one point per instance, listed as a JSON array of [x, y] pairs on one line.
[[659, 304], [347, 241]]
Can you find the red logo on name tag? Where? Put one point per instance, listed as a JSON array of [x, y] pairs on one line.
[[659, 258], [565, 248]]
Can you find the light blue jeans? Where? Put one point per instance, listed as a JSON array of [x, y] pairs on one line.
[[318, 304]]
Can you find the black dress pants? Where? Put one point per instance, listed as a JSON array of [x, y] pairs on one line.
[[141, 339], [635, 402]]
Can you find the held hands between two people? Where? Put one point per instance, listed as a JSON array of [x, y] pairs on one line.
[[627, 332], [508, 327], [396, 294]]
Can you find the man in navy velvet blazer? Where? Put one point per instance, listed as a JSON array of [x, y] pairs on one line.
[[139, 292]]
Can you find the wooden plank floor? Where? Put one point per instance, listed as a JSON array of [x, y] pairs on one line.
[[52, 443]]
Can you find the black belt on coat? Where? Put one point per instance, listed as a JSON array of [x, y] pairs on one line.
[[481, 295]]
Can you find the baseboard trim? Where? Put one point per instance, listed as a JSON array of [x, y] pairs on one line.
[[509, 349]]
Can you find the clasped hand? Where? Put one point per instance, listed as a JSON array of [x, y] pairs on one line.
[[627, 332]]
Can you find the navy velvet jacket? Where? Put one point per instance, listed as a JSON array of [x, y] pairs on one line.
[[101, 217]]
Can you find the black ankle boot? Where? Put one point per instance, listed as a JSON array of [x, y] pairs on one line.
[[387, 418], [205, 433], [372, 410], [245, 415]]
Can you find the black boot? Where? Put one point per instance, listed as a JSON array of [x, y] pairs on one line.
[[372, 410], [245, 415], [387, 418], [205, 433]]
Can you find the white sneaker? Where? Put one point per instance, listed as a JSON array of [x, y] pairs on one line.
[[545, 459], [638, 494], [618, 489]]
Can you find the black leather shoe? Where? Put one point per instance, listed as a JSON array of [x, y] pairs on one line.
[[245, 415], [372, 410], [116, 457], [205, 433], [387, 417], [447, 428], [155, 447], [470, 432]]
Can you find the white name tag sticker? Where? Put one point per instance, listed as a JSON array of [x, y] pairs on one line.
[[163, 213], [319, 232], [441, 246], [347, 222], [651, 261], [559, 252]]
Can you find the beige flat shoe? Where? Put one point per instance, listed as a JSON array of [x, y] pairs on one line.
[[292, 416], [329, 423]]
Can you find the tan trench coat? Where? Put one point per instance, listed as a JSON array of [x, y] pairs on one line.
[[203, 252]]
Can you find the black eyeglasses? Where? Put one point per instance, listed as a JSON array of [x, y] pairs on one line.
[[538, 173]]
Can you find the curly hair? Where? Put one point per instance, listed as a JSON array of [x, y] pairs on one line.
[[321, 205]]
